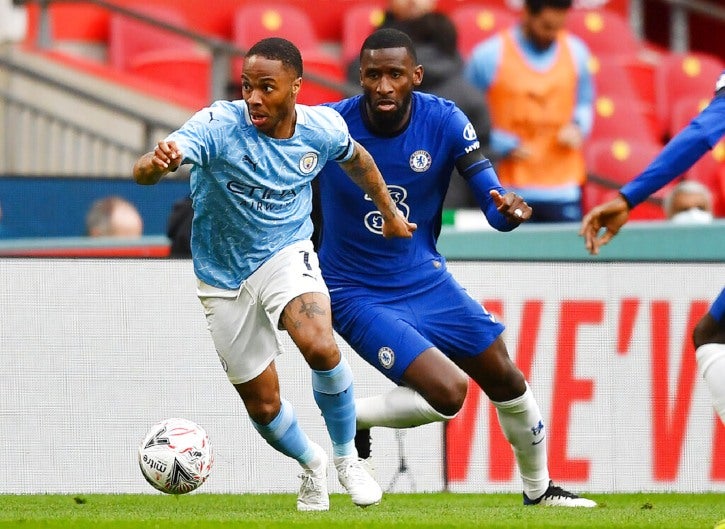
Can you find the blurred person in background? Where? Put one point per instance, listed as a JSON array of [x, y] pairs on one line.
[[540, 94], [113, 217], [689, 202], [604, 221], [178, 228]]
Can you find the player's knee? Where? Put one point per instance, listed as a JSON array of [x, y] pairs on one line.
[[321, 353], [262, 412], [505, 384], [449, 398], [702, 333]]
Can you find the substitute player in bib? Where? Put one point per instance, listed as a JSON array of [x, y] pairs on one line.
[[252, 163], [394, 301], [603, 222]]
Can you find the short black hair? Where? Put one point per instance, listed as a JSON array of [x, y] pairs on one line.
[[278, 49], [535, 6], [389, 38]]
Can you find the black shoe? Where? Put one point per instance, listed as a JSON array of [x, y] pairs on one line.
[[362, 443], [558, 497]]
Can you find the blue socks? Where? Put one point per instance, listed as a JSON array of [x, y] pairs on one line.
[[333, 392], [285, 435]]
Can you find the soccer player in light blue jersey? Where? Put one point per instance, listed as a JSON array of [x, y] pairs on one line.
[[394, 301], [603, 222], [252, 163]]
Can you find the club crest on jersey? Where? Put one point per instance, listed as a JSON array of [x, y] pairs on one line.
[[420, 161], [386, 357], [308, 162], [469, 133]]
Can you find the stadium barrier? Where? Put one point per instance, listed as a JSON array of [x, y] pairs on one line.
[[97, 350]]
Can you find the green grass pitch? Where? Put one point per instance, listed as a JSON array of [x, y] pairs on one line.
[[439, 510]]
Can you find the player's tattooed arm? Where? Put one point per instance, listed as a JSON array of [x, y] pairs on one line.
[[362, 170]]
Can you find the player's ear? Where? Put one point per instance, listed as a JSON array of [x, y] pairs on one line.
[[296, 85], [418, 75]]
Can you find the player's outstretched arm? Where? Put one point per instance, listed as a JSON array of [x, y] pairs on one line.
[[150, 167], [362, 170], [611, 216]]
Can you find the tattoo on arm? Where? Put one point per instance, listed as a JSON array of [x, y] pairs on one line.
[[362, 170]]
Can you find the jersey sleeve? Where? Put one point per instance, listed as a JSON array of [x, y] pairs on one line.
[[195, 139], [688, 146], [476, 169], [342, 145]]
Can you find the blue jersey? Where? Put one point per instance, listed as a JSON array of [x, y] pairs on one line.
[[688, 146], [251, 193], [416, 164]]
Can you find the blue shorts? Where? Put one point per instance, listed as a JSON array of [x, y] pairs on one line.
[[390, 328], [717, 309]]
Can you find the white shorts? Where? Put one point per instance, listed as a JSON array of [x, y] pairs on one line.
[[244, 323]]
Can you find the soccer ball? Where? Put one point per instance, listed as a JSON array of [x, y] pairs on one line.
[[175, 456]]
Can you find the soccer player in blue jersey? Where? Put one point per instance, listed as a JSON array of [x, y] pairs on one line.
[[394, 301], [252, 163], [682, 151]]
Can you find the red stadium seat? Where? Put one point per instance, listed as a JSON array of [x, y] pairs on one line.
[[619, 161], [685, 109], [358, 22], [621, 116], [190, 73], [684, 75], [475, 23], [313, 93], [158, 55], [258, 20], [710, 169], [604, 32], [618, 76], [128, 38]]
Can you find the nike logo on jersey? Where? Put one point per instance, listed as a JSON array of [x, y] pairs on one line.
[[211, 117], [250, 162]]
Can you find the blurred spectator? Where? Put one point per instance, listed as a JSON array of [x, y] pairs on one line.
[[540, 96], [436, 44], [13, 22], [689, 202], [178, 228], [113, 217]]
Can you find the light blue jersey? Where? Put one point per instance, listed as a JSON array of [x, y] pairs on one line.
[[251, 193]]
